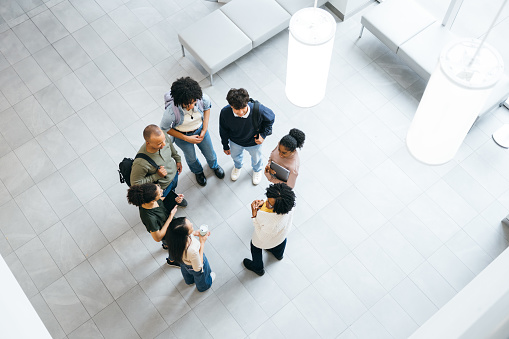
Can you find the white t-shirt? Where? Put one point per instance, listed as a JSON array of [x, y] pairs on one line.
[[191, 257], [192, 121]]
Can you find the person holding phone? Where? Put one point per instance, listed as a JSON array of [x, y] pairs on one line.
[[154, 213], [287, 156], [189, 252], [272, 221]]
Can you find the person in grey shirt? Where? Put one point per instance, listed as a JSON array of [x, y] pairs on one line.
[[158, 147]]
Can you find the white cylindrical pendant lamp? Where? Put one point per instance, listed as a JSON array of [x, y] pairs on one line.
[[453, 99], [312, 32]]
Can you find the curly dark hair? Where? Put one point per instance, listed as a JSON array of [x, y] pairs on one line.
[[293, 140], [178, 233], [284, 195], [138, 195], [185, 90], [237, 98]]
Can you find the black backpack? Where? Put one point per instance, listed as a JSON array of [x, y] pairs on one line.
[[124, 168]]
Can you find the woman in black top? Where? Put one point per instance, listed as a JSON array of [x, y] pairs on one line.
[[153, 213]]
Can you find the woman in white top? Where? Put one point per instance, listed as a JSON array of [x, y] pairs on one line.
[[187, 250], [272, 220], [186, 117]]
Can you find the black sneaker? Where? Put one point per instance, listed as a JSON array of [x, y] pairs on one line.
[[218, 171], [249, 265], [183, 203], [200, 178], [172, 263]]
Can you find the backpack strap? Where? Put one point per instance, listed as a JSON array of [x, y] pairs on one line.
[[176, 111], [148, 159], [255, 115], [168, 101]]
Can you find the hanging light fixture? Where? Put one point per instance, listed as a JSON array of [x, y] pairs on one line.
[[456, 92], [310, 44]]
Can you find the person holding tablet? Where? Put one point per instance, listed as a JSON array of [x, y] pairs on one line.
[[285, 156]]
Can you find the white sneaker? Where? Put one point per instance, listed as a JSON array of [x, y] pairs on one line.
[[257, 177], [235, 173], [213, 276]]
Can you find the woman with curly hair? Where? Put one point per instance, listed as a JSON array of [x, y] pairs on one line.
[[272, 220], [186, 118], [286, 155], [153, 213], [188, 251]]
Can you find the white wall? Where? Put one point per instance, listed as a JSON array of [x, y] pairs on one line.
[[18, 318], [478, 311]]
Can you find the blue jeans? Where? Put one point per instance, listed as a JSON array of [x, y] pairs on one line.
[[202, 279], [254, 151], [205, 147], [172, 185]]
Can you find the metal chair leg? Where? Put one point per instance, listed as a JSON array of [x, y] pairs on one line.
[[211, 80], [362, 30], [183, 52]]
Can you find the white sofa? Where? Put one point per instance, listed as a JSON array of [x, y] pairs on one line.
[[231, 31], [418, 39]]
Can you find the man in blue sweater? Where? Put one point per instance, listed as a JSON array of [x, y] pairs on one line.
[[238, 131]]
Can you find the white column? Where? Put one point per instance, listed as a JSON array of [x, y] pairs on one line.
[[452, 100], [312, 32]]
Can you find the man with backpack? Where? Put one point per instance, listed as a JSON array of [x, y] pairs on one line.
[[159, 148], [243, 125], [187, 119]]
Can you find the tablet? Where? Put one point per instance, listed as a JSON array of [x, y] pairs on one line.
[[282, 173], [169, 202]]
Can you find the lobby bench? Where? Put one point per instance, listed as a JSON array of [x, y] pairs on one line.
[[231, 31], [418, 38]]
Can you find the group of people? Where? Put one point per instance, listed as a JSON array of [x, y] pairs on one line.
[[243, 125]]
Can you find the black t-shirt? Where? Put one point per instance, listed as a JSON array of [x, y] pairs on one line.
[[154, 218]]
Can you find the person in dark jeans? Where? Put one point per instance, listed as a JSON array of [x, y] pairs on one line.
[[272, 220], [153, 212]]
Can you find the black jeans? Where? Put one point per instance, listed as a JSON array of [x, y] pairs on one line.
[[256, 253]]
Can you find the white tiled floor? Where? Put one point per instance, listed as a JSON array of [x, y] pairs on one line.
[[380, 241]]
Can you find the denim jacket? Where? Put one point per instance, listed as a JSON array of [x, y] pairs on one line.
[[171, 118]]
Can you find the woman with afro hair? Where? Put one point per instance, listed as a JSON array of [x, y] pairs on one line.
[[272, 220], [186, 118], [153, 212], [286, 155]]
